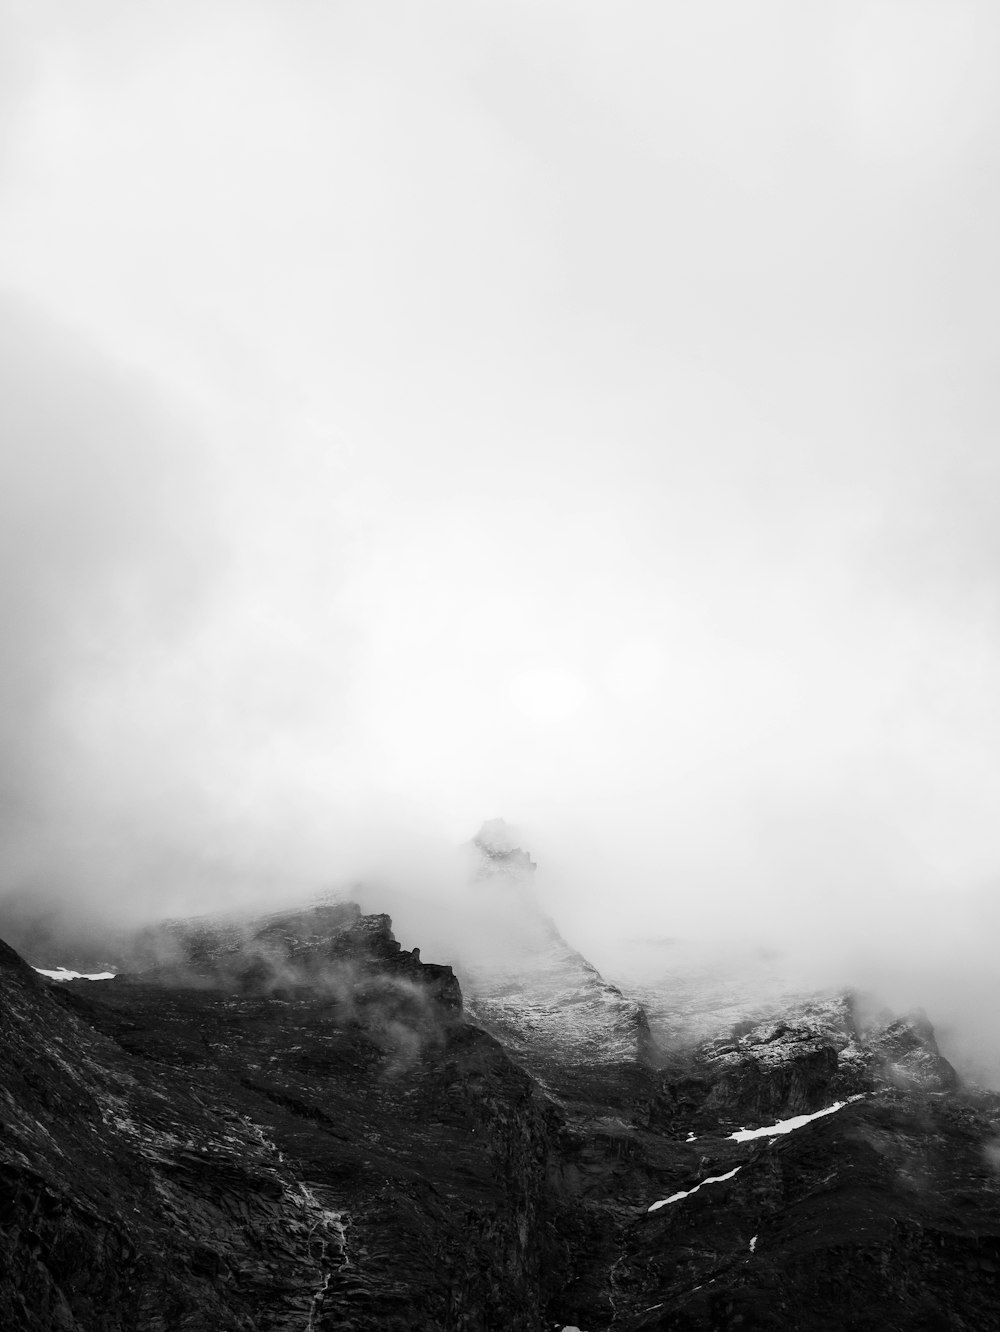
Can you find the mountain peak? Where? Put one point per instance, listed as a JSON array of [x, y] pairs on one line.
[[499, 852]]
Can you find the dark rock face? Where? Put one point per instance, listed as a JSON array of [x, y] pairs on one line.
[[219, 1147], [331, 949], [294, 1125], [882, 1215]]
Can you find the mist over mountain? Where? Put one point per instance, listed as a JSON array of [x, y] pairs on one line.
[[407, 419], [413, 416]]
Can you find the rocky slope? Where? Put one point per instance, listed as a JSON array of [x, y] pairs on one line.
[[296, 1123], [299, 1132], [551, 1009]]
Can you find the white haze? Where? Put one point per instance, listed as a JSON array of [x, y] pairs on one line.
[[582, 413]]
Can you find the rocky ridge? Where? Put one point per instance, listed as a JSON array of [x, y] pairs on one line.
[[552, 1010], [296, 1123]]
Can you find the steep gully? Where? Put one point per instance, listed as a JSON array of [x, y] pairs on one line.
[[297, 1124]]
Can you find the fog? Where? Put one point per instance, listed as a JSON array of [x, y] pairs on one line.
[[583, 414]]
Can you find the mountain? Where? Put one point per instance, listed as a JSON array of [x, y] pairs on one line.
[[296, 1123], [539, 997]]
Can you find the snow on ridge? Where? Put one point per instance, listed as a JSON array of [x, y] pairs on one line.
[[789, 1125], [744, 1135], [686, 1193], [63, 975]]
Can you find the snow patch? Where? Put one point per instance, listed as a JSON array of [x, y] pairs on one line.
[[789, 1125], [753, 1243], [676, 1197], [63, 975]]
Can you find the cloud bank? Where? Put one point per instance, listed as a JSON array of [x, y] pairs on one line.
[[581, 416]]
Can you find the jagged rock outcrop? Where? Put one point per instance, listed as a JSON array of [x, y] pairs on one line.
[[498, 852], [331, 946], [809, 1054]]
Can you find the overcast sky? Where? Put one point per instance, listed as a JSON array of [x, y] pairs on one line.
[[584, 413]]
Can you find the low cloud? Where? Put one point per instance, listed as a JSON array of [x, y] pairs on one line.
[[506, 412]]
